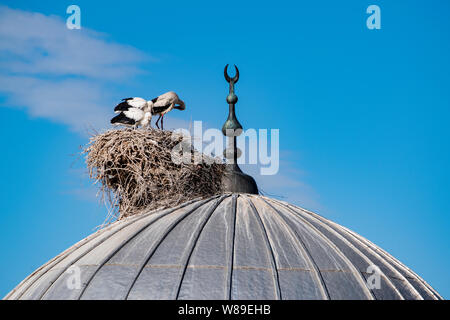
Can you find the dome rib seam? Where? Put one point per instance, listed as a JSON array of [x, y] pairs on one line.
[[186, 258], [273, 261], [230, 249], [308, 256]]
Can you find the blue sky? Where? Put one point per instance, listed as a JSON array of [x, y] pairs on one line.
[[363, 114]]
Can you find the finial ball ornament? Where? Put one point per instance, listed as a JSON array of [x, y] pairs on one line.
[[232, 98]]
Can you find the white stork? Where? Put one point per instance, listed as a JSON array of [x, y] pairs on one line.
[[128, 103], [164, 103], [133, 112]]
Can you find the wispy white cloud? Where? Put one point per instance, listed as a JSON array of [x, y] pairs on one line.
[[40, 44], [61, 74], [74, 102]]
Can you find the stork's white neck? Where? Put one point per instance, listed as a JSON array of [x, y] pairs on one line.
[[147, 118]]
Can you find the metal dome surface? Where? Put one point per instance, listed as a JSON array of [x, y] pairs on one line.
[[234, 246]]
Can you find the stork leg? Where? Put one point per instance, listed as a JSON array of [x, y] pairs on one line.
[[156, 123], [162, 122]]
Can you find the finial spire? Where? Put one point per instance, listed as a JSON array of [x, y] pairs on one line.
[[232, 123], [234, 180]]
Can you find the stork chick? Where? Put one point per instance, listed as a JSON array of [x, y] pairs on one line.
[[133, 112], [136, 102], [133, 117]]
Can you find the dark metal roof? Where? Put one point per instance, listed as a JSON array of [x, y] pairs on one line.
[[228, 247]]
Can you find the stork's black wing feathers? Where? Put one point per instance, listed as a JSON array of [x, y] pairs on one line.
[[123, 119], [126, 99], [123, 106], [155, 99], [159, 109]]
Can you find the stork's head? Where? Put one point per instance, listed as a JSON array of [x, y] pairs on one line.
[[181, 105]]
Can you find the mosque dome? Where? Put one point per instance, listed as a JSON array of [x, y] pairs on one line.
[[232, 246]]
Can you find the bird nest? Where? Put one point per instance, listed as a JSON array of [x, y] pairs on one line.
[[136, 170]]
